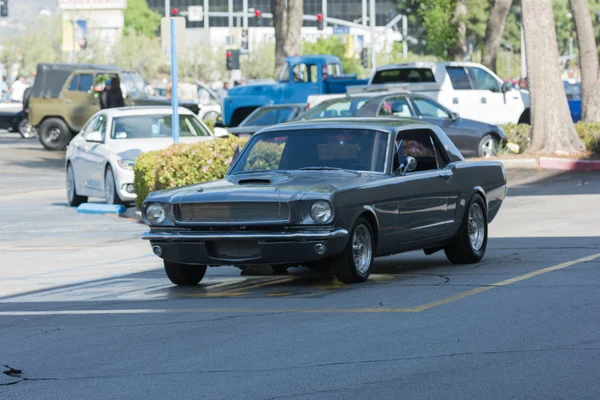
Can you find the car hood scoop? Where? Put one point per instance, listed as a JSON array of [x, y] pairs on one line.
[[255, 181]]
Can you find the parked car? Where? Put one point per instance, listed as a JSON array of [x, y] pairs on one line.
[[267, 116], [473, 138], [100, 159], [330, 194], [467, 88], [65, 96], [208, 102], [302, 76], [13, 118]]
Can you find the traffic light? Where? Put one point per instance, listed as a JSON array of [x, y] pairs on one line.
[[258, 16], [3, 8], [364, 57], [232, 59], [175, 12], [320, 22]]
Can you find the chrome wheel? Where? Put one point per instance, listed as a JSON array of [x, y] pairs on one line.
[[109, 187], [53, 134], [362, 248], [26, 130], [489, 147], [70, 183], [476, 226]]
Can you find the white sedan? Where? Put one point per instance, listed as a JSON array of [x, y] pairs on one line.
[[100, 158]]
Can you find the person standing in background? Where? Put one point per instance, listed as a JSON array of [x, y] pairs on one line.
[[112, 96], [17, 90]]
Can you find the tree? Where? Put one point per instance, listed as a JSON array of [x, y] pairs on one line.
[[588, 61], [335, 46], [287, 21], [458, 51], [552, 128], [441, 32], [139, 18], [494, 32]]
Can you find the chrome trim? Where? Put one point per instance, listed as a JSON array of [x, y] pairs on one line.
[[173, 236], [433, 225]]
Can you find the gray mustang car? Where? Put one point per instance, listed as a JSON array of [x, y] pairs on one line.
[[329, 194]]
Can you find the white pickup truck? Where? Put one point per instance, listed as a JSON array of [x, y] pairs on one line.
[[469, 89]]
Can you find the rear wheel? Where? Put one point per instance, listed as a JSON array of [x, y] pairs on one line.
[[54, 134], [184, 274], [72, 196], [354, 264], [25, 129], [488, 146], [469, 245], [110, 188]]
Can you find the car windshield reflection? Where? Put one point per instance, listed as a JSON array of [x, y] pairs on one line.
[[323, 149]]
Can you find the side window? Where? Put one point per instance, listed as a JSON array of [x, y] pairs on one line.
[[285, 74], [419, 144], [333, 69], [300, 73], [429, 109], [312, 73], [459, 78], [396, 106], [484, 80], [82, 83], [90, 126], [101, 126]]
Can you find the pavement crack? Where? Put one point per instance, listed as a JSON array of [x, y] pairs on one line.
[[42, 333]]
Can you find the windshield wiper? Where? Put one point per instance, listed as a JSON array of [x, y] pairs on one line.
[[329, 169], [250, 171]]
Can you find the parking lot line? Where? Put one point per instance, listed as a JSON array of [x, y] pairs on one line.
[[242, 290]]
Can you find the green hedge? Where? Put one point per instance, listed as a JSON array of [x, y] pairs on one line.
[[183, 164], [521, 135]]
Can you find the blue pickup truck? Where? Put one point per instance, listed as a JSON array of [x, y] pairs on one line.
[[303, 76]]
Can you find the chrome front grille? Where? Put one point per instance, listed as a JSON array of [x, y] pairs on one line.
[[234, 212]]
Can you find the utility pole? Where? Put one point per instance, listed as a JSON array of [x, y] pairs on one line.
[[523, 55], [372, 18], [206, 25], [364, 12], [167, 8], [324, 12], [405, 36], [230, 19], [174, 84]]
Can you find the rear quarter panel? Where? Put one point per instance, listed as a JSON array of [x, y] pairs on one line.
[[485, 177]]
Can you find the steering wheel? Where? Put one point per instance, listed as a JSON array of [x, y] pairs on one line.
[[357, 167]]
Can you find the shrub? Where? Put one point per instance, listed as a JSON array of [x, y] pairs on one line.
[[518, 134], [183, 164], [590, 135]]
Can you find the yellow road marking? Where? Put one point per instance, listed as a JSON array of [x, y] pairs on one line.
[[278, 294], [505, 282], [242, 290]]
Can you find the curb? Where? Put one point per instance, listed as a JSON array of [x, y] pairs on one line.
[[521, 163], [566, 164], [94, 208]]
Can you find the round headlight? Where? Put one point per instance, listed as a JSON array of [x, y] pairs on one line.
[[321, 212], [155, 213]]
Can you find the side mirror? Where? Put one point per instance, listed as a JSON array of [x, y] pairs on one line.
[[95, 137], [411, 165], [454, 116], [506, 87]]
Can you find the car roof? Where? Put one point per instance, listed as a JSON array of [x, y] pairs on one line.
[[146, 110], [328, 59], [429, 64], [300, 105], [374, 123]]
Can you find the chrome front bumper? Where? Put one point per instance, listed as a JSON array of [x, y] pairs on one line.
[[191, 236]]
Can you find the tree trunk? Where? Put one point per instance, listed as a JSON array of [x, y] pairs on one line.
[[459, 17], [279, 10], [287, 21], [494, 31], [552, 129], [588, 60]]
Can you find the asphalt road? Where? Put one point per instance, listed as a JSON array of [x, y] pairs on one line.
[[87, 312]]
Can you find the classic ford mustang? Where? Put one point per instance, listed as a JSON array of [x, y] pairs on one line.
[[329, 194]]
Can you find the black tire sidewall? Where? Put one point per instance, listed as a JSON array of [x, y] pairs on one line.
[[344, 266], [116, 199], [65, 134], [475, 254], [483, 140]]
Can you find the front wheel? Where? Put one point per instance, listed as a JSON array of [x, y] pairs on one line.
[[110, 188], [354, 264], [184, 274], [488, 146], [469, 245]]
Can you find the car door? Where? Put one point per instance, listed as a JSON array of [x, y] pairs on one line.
[[77, 157], [495, 107], [462, 99], [425, 194], [461, 134], [79, 99], [96, 157]]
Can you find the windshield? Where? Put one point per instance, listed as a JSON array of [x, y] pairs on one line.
[[155, 126], [353, 149], [269, 116], [343, 107], [403, 75]]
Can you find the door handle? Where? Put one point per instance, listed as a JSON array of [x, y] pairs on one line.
[[445, 175], [483, 100]]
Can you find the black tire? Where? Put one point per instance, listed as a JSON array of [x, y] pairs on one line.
[[184, 274], [279, 269], [54, 134], [323, 265], [460, 249], [344, 266], [111, 195], [488, 146], [25, 129], [72, 197]]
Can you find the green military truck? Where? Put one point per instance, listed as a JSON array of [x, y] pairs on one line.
[[65, 96]]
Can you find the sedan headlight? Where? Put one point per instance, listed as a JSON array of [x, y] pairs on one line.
[[126, 164], [321, 212], [156, 213]]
